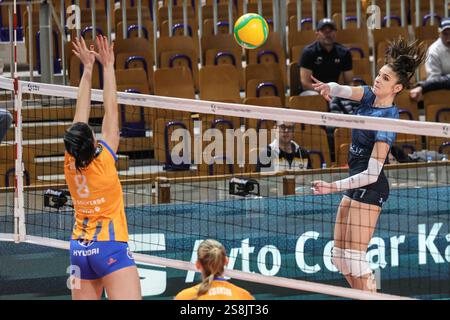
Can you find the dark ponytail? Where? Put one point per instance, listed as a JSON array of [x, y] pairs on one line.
[[79, 143], [404, 58]]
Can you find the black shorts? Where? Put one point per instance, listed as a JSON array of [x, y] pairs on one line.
[[376, 193]]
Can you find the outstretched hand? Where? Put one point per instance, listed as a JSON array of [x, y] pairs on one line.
[[86, 56], [322, 187], [322, 88], [105, 52]]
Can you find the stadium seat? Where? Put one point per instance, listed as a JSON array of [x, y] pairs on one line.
[[222, 152], [265, 88], [223, 27], [163, 144], [381, 38], [408, 110], [351, 21], [314, 139], [134, 119], [133, 30], [423, 33], [222, 13], [57, 53], [137, 60], [310, 103], [177, 14], [297, 40], [269, 53], [342, 141], [174, 82], [425, 12], [265, 101], [306, 8], [132, 15], [135, 52], [222, 49], [76, 72], [178, 51], [219, 83], [262, 71], [437, 109]]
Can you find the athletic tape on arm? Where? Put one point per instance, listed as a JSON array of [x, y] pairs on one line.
[[336, 90], [368, 176]]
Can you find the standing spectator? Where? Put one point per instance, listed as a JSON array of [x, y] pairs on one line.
[[325, 59], [437, 64]]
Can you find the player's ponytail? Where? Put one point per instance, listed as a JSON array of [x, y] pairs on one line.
[[79, 143], [404, 58], [212, 256]]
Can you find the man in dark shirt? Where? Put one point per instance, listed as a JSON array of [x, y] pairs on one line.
[[325, 59], [283, 153]]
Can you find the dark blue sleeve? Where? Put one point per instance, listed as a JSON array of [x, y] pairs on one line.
[[387, 136], [368, 95]]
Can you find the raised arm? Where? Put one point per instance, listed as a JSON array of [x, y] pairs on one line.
[[370, 175], [110, 126], [336, 90], [87, 58]]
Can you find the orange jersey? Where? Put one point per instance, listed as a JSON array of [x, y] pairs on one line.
[[220, 290], [97, 197]]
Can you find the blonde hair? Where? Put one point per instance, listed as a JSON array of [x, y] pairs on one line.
[[212, 256]]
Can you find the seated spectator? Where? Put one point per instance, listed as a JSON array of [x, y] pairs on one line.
[[325, 59], [437, 64], [283, 153], [211, 261], [5, 123]]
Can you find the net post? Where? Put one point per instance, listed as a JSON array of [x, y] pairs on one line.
[[19, 212]]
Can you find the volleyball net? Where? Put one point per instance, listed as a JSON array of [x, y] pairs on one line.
[[192, 170]]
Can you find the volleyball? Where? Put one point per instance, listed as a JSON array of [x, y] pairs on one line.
[[251, 31]]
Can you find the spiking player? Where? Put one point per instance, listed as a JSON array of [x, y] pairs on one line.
[[367, 188], [99, 245]]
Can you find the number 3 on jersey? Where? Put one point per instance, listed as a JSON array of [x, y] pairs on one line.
[[82, 188]]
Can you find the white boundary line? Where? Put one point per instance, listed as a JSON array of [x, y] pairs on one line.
[[7, 237], [248, 111], [251, 277]]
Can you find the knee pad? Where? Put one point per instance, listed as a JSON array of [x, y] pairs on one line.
[[338, 259], [356, 262]]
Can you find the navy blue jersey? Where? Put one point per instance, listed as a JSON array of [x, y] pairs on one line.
[[364, 140]]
